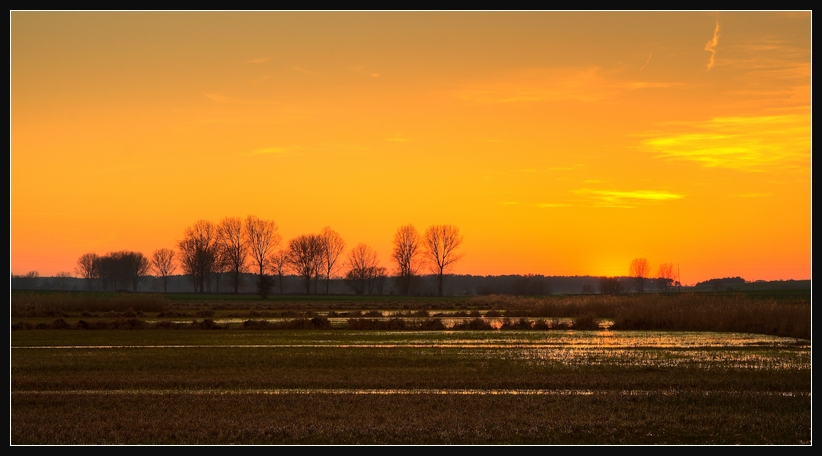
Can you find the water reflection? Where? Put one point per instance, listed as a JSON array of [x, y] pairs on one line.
[[640, 349]]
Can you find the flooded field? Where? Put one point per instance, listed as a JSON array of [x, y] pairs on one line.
[[342, 386]]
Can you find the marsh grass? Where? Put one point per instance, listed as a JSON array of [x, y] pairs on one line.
[[786, 315]]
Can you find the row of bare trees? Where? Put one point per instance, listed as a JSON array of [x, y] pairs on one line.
[[436, 249], [640, 270], [312, 256], [235, 246], [208, 250]]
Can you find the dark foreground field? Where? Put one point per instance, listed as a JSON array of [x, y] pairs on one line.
[[103, 368], [411, 387]]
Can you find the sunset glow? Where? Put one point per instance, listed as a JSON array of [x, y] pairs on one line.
[[559, 143]]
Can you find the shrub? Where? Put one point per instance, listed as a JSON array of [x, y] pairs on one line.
[[587, 321]]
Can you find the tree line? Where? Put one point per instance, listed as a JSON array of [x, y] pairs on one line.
[[235, 246], [114, 271]]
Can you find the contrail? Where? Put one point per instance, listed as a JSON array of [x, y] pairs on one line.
[[711, 46], [646, 62]]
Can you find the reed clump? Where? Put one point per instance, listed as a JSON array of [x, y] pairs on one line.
[[705, 312], [736, 312]]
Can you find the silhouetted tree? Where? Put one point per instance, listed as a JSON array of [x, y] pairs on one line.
[[62, 280], [88, 267], [263, 239], [279, 263], [441, 242], [667, 275], [162, 262], [233, 247], [364, 272], [198, 253], [639, 269], [407, 253], [305, 257], [138, 266], [122, 270], [332, 247]]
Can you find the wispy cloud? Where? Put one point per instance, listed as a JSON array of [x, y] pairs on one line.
[[771, 70], [626, 198], [303, 70], [398, 139], [550, 205], [711, 47], [365, 72], [259, 60], [586, 84], [754, 143]]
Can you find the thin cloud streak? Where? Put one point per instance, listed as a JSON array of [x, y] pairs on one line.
[[626, 199], [755, 143], [587, 84], [711, 47], [259, 60]]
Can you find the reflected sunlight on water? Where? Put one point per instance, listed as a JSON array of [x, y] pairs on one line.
[[642, 349]]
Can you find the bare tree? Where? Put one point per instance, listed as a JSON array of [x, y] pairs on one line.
[[111, 272], [198, 253], [305, 256], [138, 266], [407, 252], [262, 239], [441, 242], [364, 271], [62, 280], [639, 270], [233, 247], [332, 247], [88, 267], [667, 275], [279, 263], [162, 262]]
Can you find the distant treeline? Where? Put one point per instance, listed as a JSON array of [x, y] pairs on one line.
[[427, 285]]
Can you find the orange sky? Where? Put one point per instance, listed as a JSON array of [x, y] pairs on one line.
[[560, 143]]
